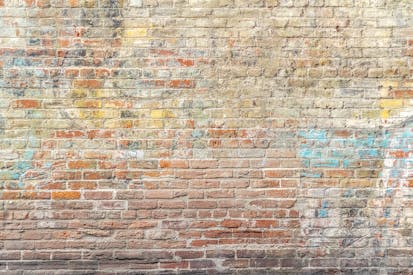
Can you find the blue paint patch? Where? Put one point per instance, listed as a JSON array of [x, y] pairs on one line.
[[395, 173], [28, 155], [20, 185], [15, 176], [389, 192], [407, 134], [313, 134], [20, 62], [369, 153], [310, 153], [310, 174], [346, 163], [23, 165], [322, 213], [386, 213], [348, 193], [197, 134], [324, 204], [326, 163], [339, 153]]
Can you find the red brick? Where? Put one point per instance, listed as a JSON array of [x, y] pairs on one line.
[[89, 83], [231, 223], [98, 195], [181, 83], [186, 62], [69, 133], [81, 164], [26, 104], [173, 163]]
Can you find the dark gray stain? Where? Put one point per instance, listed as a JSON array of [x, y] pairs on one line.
[[2, 125], [408, 121]]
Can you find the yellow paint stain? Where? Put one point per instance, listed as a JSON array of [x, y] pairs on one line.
[[372, 114], [78, 93], [100, 93], [162, 113], [115, 123], [96, 114], [384, 114], [391, 103], [88, 104], [135, 36], [135, 32], [155, 124]]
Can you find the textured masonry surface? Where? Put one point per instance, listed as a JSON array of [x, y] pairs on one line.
[[206, 136]]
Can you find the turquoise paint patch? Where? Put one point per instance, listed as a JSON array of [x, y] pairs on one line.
[[322, 213], [407, 134], [313, 134], [19, 62], [28, 155], [310, 153], [23, 165], [389, 192], [310, 174], [326, 163], [346, 163], [197, 134], [15, 176], [369, 153], [20, 185], [395, 173], [339, 153]]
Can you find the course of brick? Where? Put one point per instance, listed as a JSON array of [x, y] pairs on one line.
[[206, 136]]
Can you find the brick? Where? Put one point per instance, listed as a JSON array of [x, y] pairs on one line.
[[97, 195], [81, 164], [66, 195], [173, 164], [26, 104]]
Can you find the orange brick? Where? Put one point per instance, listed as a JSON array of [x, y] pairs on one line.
[[26, 104], [186, 62], [403, 94], [173, 163], [69, 133], [66, 195], [184, 83], [90, 83], [81, 164]]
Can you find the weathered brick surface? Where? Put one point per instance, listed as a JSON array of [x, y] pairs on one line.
[[206, 136]]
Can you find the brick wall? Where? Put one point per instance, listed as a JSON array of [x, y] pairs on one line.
[[206, 136]]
